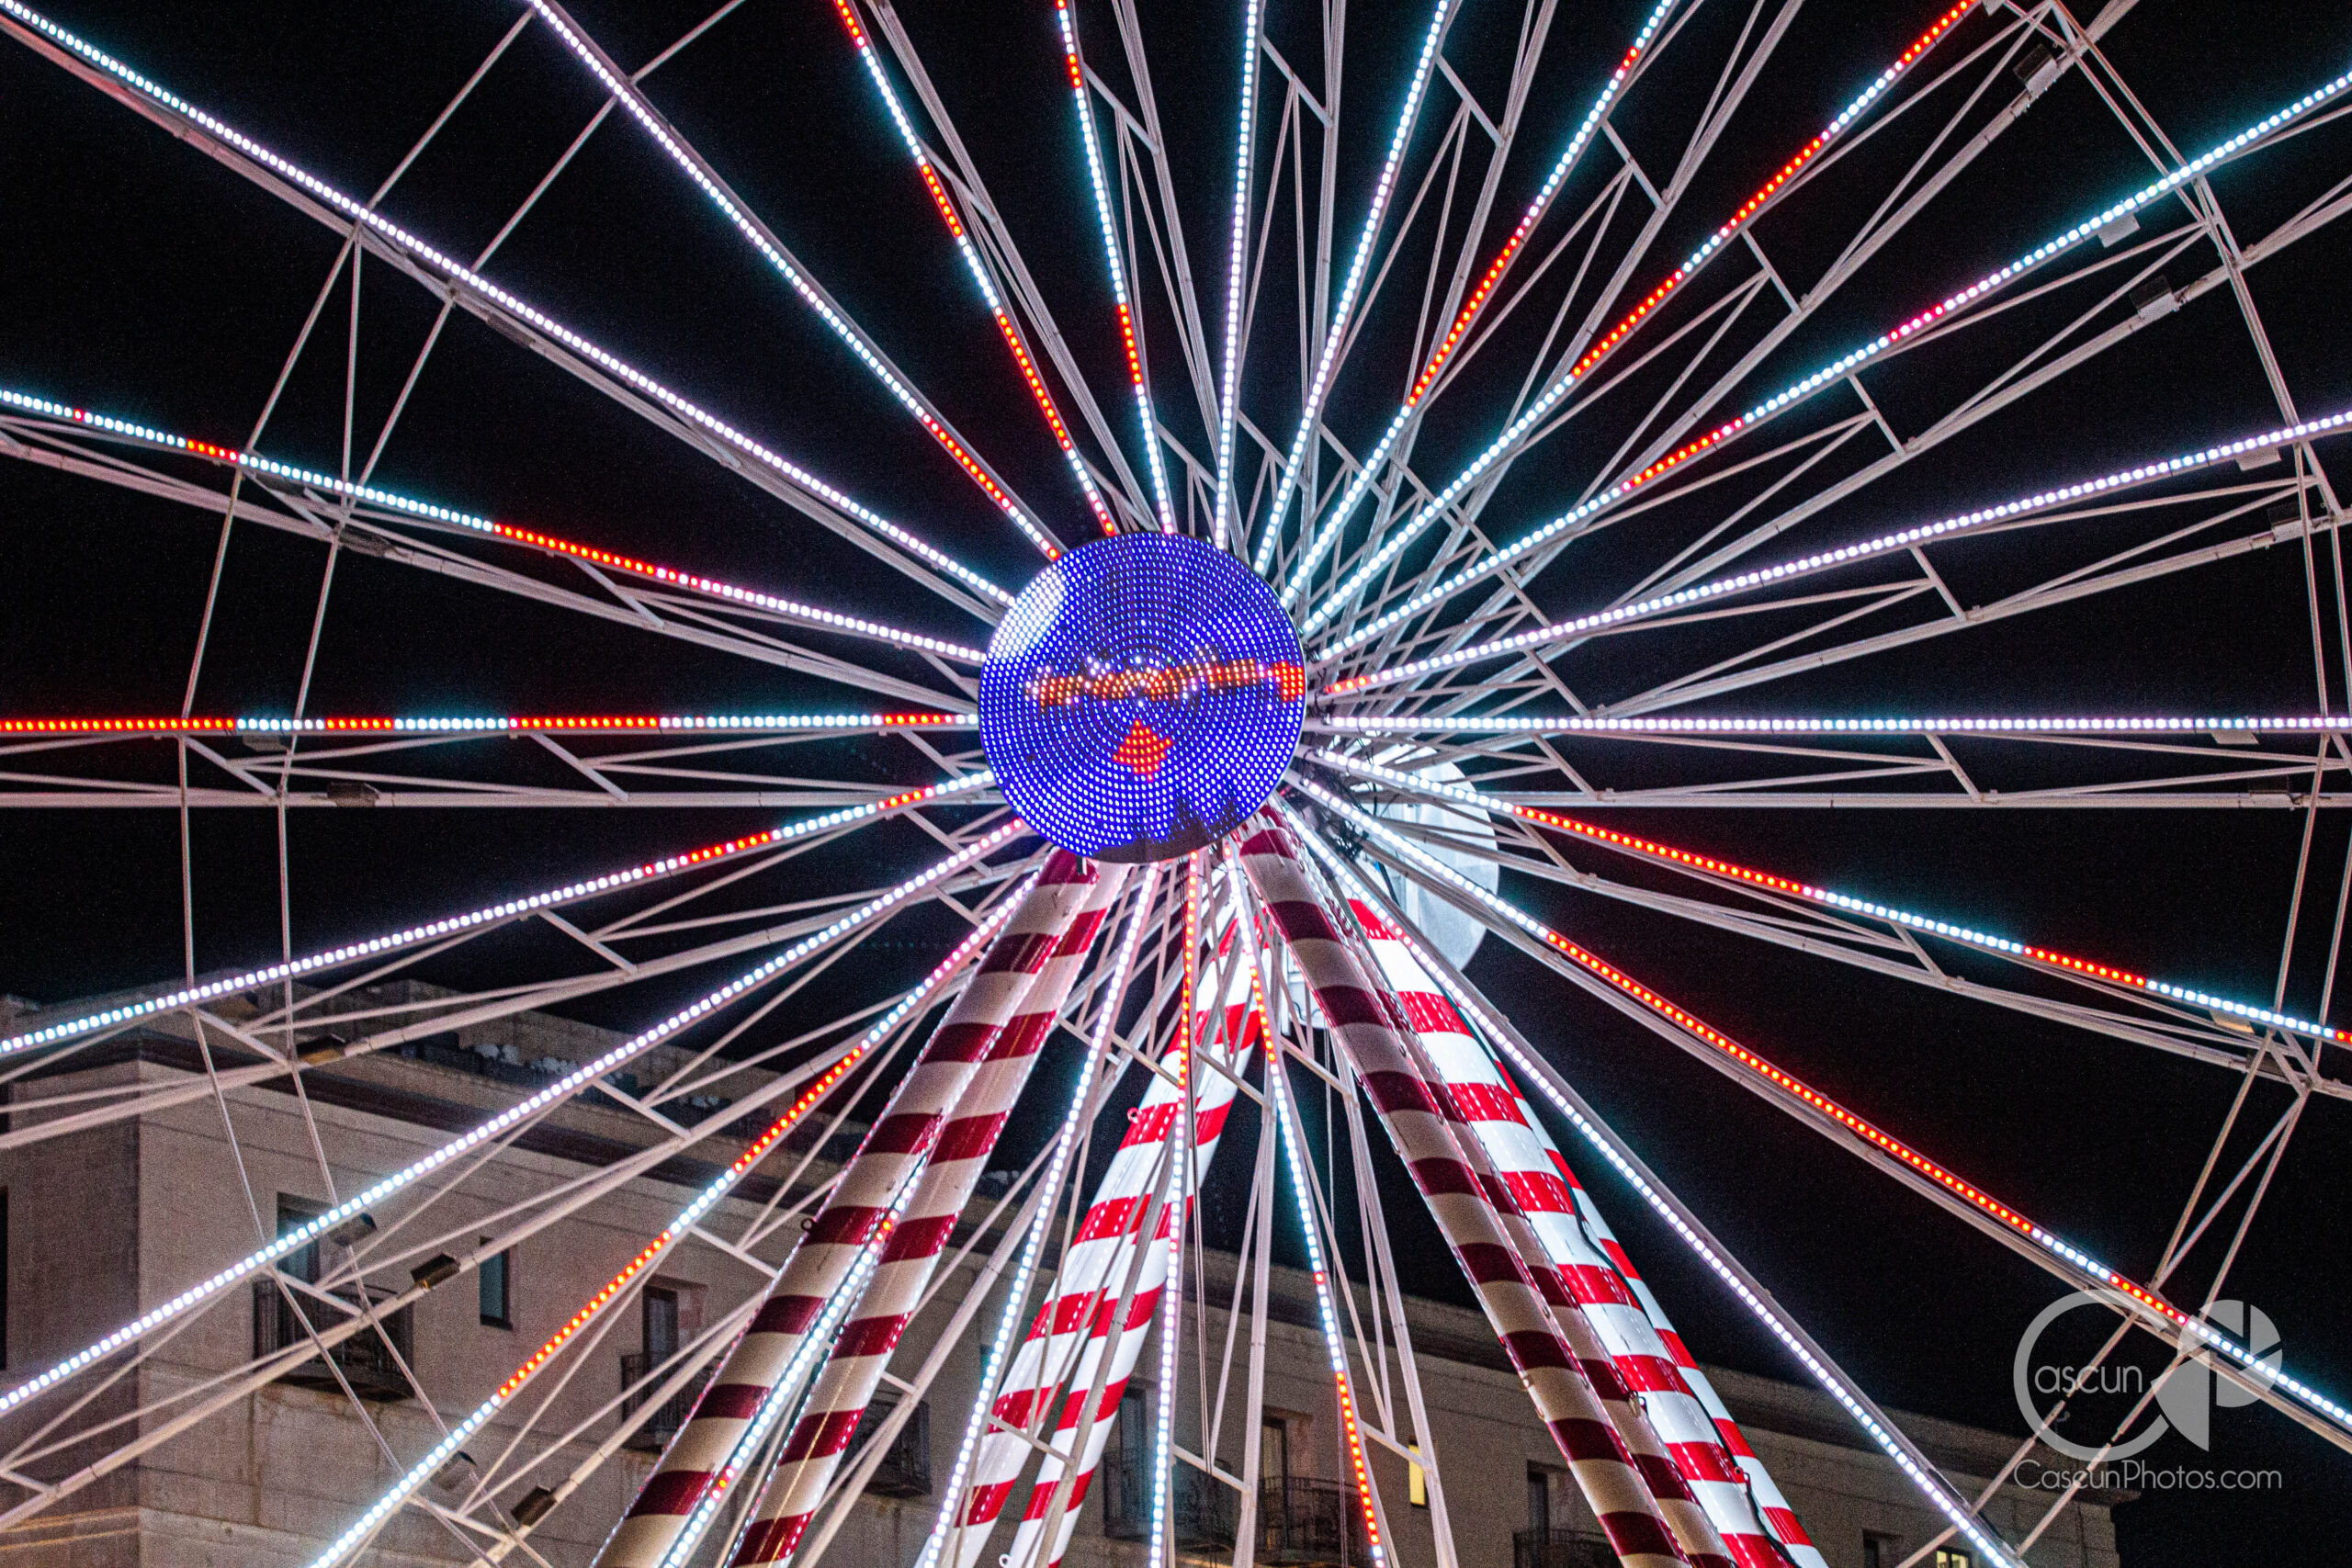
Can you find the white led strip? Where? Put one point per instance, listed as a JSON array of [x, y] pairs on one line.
[[1334, 520], [391, 501], [1236, 300], [1183, 1183], [1287, 1134], [973, 265], [1929, 1484], [1945, 928], [687, 1218], [1128, 326], [632, 98], [2130, 1295], [1336, 330], [1830, 373], [2123, 479], [561, 1089], [513, 305], [788, 1391], [192, 995]]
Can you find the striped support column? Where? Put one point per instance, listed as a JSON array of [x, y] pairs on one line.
[[897, 1146], [1600, 1308], [1073, 1328], [1462, 1205], [842, 1391], [1768, 1499]]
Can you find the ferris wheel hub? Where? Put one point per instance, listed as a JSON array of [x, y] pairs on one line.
[[1142, 697]]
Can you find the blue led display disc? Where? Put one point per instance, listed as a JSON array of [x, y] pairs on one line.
[[1141, 697]]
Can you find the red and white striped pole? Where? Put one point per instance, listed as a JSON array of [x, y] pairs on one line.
[[813, 1448], [1487, 1103], [1072, 1330], [896, 1149], [1410, 1108], [1770, 1500]]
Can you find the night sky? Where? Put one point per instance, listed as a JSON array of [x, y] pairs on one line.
[[139, 276]]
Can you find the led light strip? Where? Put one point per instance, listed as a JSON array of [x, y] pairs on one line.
[[1789, 1086], [1293, 1143], [1945, 928], [1068, 25], [937, 190], [1336, 331], [449, 267], [452, 724], [2122, 478], [1732, 227], [1236, 300], [1178, 1208], [1328, 532], [787, 1391], [391, 941], [394, 502], [1016, 1298], [687, 1218], [1695, 723], [561, 1089], [632, 98], [1929, 1483]]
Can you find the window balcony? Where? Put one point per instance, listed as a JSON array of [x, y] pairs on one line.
[[363, 1359], [1311, 1524], [661, 1426], [905, 1470], [1206, 1508], [1557, 1548]]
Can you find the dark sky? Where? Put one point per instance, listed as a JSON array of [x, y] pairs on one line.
[[140, 277]]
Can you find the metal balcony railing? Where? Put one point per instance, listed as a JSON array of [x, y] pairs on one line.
[[1312, 1524], [905, 1470], [1559, 1548], [365, 1361], [1206, 1510], [664, 1424]]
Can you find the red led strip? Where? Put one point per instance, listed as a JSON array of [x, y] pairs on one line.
[[112, 725], [1789, 1083], [1348, 1425], [1037, 389], [250, 461], [1127, 336], [592, 724], [754, 1153], [1049, 689], [1503, 258], [624, 563], [1736, 873], [1755, 203]]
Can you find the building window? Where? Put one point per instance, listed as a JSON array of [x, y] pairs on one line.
[[659, 1307], [1273, 1450], [293, 1213], [1954, 1559], [1539, 1503], [904, 1470], [1881, 1551], [498, 1290], [1417, 1483], [1127, 1460]]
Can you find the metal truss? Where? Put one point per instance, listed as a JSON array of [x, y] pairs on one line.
[[1435, 372]]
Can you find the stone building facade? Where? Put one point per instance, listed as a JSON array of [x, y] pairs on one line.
[[104, 1222]]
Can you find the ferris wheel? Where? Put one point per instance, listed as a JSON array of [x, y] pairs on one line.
[[1358, 463]]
